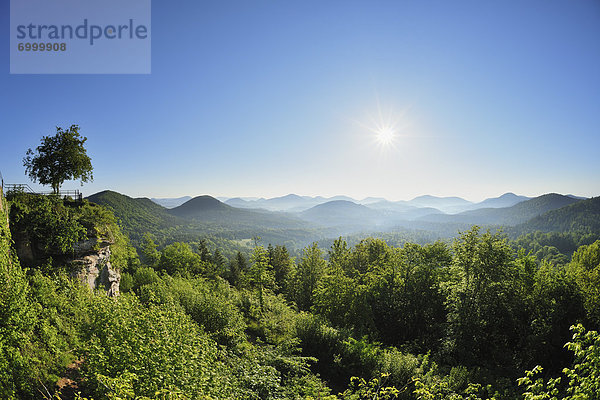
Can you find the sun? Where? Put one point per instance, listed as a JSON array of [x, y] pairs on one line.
[[385, 127], [385, 135]]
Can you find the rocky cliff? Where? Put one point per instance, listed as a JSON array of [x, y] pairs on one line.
[[93, 268], [52, 234]]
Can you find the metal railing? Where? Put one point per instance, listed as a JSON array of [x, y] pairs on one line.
[[25, 188], [74, 194], [18, 187]]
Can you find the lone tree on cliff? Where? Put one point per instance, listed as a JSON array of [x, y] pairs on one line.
[[59, 158]]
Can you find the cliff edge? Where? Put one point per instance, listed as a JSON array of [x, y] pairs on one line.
[[52, 234]]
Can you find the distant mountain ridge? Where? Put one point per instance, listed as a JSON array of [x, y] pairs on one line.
[[506, 200], [290, 202], [207, 209], [340, 213], [510, 216], [171, 202], [206, 215], [444, 204], [451, 205]]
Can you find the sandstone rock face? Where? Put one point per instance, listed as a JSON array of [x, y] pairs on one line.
[[89, 262], [94, 270]]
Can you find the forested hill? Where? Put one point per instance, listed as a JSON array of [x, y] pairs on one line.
[[582, 216], [199, 205], [341, 212], [508, 216], [137, 215], [207, 209], [199, 218]]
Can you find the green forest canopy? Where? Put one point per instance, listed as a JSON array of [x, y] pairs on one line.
[[456, 321]]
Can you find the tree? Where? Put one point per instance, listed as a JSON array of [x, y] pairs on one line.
[[150, 256], [59, 158], [282, 265], [179, 257], [237, 268], [203, 251], [585, 269], [483, 300], [582, 381], [339, 253], [218, 259], [407, 302], [307, 275], [217, 265], [555, 303], [261, 274]]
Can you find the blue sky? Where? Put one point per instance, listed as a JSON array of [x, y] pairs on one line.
[[266, 98]]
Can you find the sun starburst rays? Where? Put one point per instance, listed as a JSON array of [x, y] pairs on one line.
[[384, 128]]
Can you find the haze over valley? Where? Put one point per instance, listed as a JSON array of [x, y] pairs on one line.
[[297, 220]]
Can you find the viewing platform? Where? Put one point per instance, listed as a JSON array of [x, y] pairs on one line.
[[8, 188]]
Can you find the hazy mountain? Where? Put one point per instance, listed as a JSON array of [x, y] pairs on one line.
[[371, 200], [288, 203], [400, 206], [577, 197], [506, 200], [416, 213], [342, 213], [342, 198], [224, 199], [283, 203], [582, 216], [203, 209], [455, 205], [509, 216], [296, 203], [400, 210], [170, 202], [240, 203], [444, 204], [451, 205]]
